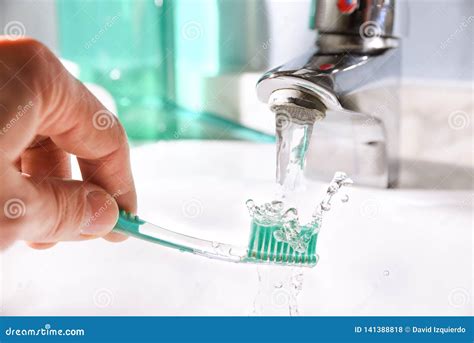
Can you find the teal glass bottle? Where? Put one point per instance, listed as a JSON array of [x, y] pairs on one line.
[[160, 60], [121, 46]]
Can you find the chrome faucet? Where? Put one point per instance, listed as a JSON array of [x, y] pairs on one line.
[[348, 82]]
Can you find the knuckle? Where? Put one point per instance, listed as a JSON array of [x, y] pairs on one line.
[[40, 62], [56, 222], [68, 214], [23, 53], [31, 45], [22, 70], [28, 59]]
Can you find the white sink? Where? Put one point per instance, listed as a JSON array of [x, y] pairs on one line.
[[385, 252]]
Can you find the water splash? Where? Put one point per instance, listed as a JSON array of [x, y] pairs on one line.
[[339, 180], [293, 138], [278, 291], [291, 231], [279, 287]]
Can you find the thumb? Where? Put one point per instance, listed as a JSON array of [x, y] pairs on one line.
[[54, 210], [77, 210]]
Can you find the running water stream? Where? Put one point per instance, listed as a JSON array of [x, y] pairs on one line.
[[279, 287]]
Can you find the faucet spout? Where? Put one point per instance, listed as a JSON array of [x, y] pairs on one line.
[[349, 84]]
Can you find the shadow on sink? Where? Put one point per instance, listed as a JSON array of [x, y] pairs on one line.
[[434, 175]]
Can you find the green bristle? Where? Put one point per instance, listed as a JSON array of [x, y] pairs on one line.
[[272, 249], [263, 247]]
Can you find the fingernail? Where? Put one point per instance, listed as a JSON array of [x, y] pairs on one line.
[[101, 214]]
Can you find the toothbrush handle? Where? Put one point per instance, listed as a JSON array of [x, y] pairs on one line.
[[133, 226]]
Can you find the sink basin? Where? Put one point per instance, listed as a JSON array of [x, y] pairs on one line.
[[385, 252]]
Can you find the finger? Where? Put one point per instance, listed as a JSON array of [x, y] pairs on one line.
[[63, 109], [45, 159], [19, 99], [40, 246], [115, 237], [82, 126], [54, 210]]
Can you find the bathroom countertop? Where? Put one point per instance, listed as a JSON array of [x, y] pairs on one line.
[[385, 252]]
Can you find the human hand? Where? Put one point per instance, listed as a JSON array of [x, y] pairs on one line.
[[46, 115]]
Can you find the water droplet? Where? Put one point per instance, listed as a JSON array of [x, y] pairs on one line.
[[386, 273], [277, 206], [345, 198], [278, 285], [250, 203], [291, 214], [326, 207]]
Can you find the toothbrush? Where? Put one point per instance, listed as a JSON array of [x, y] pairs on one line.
[[263, 247]]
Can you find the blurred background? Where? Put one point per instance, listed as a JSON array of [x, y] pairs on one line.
[[176, 70], [187, 69]]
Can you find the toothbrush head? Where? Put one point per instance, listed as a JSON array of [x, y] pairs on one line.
[[268, 245]]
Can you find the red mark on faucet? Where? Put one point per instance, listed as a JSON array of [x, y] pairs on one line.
[[326, 66], [347, 6]]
